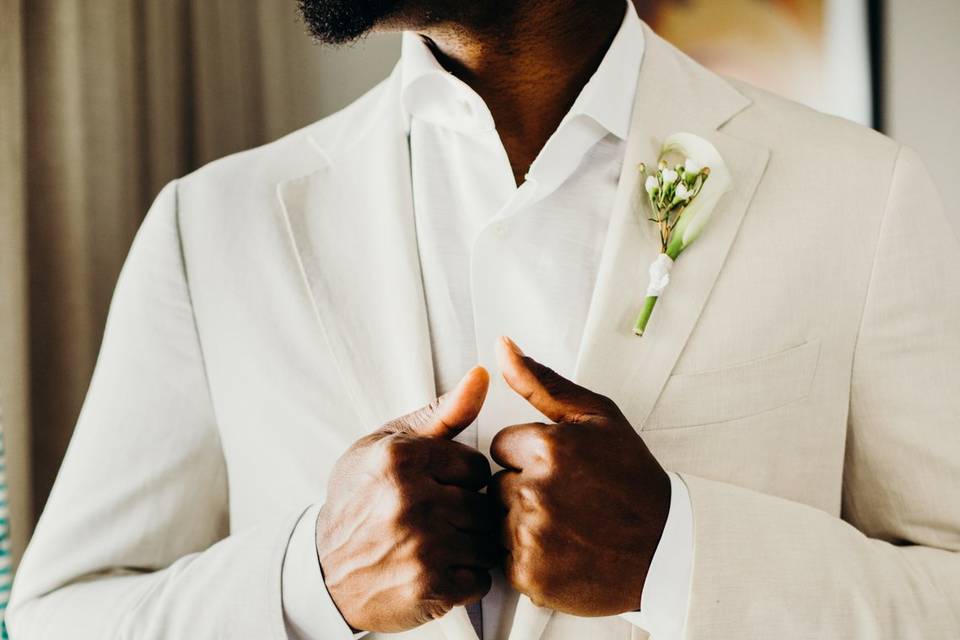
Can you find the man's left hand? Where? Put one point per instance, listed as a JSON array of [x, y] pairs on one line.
[[582, 502]]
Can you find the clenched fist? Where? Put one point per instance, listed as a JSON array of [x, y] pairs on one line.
[[405, 535], [583, 501]]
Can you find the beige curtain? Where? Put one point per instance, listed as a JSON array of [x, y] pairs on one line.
[[103, 101], [14, 377]]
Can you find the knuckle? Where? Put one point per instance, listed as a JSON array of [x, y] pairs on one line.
[[392, 452], [533, 532], [431, 610], [412, 511], [520, 576], [549, 450], [401, 454], [431, 587], [402, 520], [419, 590], [424, 414], [550, 446], [369, 440], [529, 497], [527, 537], [432, 406], [410, 422], [397, 425]]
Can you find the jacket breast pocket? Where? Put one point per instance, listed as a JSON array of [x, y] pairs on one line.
[[736, 391]]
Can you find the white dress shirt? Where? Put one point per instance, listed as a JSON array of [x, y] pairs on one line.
[[549, 234]]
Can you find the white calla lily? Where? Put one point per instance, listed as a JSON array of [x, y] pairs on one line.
[[696, 214], [705, 180]]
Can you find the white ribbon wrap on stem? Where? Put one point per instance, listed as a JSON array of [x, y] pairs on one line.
[[659, 275]]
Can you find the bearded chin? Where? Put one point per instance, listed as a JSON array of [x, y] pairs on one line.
[[341, 21]]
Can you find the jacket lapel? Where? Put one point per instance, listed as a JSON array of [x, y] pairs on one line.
[[352, 225], [674, 94]]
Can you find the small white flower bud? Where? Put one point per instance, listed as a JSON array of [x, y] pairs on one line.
[[682, 192], [669, 176], [651, 185], [692, 166]]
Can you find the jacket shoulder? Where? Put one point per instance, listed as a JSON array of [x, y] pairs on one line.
[[297, 153], [784, 124]]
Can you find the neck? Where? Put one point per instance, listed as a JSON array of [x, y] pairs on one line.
[[530, 66]]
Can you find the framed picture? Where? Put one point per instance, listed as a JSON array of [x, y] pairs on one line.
[[822, 53]]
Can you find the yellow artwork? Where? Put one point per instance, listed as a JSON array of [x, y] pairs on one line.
[[812, 51]]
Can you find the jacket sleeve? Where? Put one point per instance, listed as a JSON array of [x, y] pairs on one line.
[[890, 568], [134, 541]]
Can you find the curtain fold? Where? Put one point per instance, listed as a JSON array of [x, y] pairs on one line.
[[84, 196], [14, 382], [103, 103]]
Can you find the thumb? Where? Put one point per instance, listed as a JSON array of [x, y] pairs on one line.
[[452, 412], [550, 393]]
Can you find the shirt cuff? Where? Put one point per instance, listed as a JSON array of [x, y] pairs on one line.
[[666, 592], [308, 610]]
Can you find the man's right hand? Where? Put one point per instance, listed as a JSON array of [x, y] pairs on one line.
[[404, 535]]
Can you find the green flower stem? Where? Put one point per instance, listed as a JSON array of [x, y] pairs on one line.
[[673, 250], [641, 324]]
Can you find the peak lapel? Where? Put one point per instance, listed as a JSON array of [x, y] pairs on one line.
[[674, 94], [352, 226]]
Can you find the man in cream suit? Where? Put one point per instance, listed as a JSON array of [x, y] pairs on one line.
[[778, 456]]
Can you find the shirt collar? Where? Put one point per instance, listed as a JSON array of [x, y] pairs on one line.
[[430, 92], [609, 94]]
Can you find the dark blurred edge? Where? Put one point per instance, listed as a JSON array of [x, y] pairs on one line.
[[876, 24]]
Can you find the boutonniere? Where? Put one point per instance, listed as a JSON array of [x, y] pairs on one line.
[[682, 193]]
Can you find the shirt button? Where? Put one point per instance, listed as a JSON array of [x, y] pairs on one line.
[[500, 229]]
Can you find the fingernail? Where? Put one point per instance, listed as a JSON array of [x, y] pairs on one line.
[[512, 345]]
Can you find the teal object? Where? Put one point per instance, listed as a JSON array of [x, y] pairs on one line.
[[6, 560]]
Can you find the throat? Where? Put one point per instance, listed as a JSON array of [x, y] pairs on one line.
[[530, 68]]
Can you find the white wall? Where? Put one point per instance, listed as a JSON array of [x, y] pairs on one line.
[[923, 85], [327, 78]]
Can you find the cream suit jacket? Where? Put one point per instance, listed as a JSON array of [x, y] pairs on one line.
[[802, 374]]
